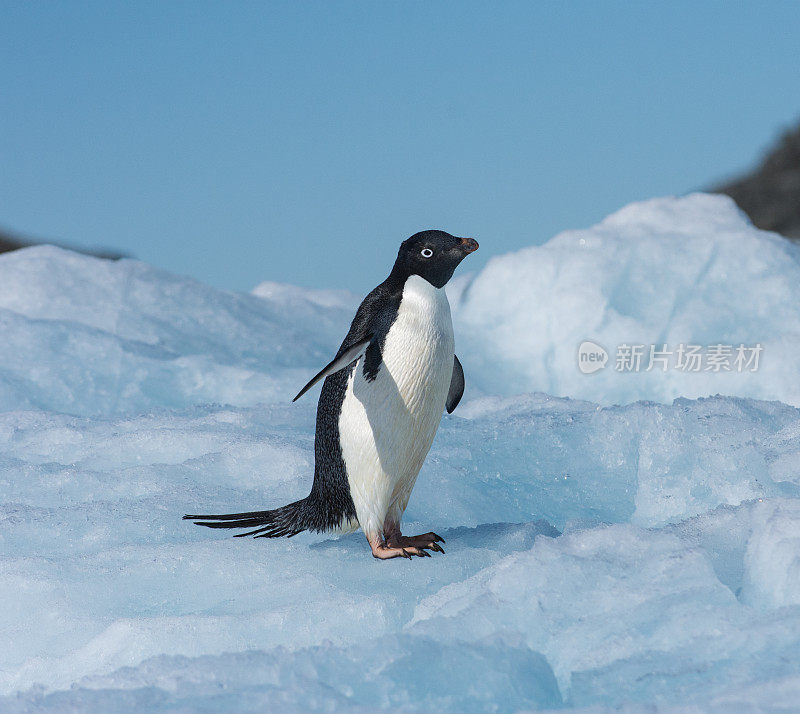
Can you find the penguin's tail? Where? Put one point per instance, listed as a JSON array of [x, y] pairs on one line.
[[286, 521]]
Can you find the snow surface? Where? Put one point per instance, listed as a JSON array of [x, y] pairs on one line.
[[598, 557]]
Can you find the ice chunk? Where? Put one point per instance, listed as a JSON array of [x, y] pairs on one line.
[[672, 271], [621, 614], [569, 461], [98, 573], [400, 672], [89, 336], [772, 559]]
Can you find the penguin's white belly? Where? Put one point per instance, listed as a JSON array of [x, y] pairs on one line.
[[387, 426]]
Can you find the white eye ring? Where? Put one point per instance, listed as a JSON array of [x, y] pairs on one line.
[[426, 252]]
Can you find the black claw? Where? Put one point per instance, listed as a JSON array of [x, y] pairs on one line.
[[438, 537], [406, 554], [435, 546]]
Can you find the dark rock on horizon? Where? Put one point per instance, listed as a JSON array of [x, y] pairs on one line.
[[10, 242], [770, 194]]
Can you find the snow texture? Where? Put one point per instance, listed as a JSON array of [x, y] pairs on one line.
[[599, 557]]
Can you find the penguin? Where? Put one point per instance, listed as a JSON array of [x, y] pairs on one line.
[[381, 402]]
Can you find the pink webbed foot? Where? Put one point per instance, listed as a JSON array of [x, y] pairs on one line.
[[385, 552], [429, 541], [398, 546]]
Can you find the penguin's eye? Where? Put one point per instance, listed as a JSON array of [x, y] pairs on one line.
[[426, 253]]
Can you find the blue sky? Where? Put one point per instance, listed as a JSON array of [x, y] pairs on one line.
[[302, 141]]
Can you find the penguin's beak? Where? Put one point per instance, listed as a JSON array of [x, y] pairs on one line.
[[469, 245]]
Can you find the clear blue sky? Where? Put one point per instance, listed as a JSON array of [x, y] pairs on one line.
[[301, 141]]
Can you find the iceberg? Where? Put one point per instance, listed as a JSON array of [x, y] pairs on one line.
[[658, 274], [614, 541]]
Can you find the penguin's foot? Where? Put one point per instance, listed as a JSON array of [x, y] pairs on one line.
[[384, 551], [421, 542]]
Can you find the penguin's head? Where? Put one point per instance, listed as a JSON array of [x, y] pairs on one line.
[[433, 255]]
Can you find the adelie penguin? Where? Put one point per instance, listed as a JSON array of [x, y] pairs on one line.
[[380, 406]]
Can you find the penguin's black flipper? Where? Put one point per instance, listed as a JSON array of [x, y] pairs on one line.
[[341, 361], [456, 386]]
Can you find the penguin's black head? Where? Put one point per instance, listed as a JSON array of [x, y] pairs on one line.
[[433, 255]]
